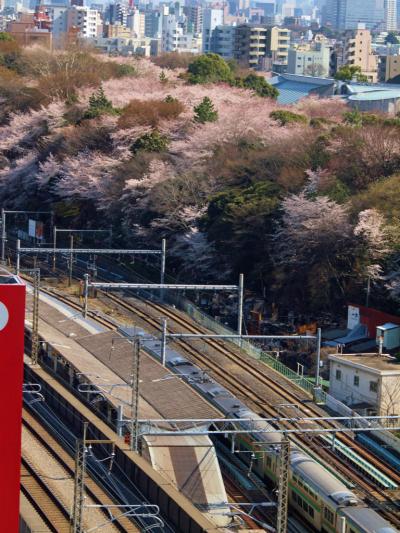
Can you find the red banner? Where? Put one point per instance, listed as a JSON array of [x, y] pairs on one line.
[[12, 316]]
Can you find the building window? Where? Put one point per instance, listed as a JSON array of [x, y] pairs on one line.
[[373, 386], [338, 375], [356, 381]]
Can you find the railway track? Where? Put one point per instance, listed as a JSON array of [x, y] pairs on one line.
[[41, 494], [48, 507], [368, 489], [236, 384]]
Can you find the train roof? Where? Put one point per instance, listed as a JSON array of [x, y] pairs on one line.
[[367, 520], [323, 482]]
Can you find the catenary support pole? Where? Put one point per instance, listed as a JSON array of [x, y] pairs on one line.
[[317, 386], [35, 317], [54, 247], [85, 294], [240, 304], [134, 436], [163, 260], [3, 235], [164, 341], [18, 256], [71, 258], [283, 485], [79, 488]]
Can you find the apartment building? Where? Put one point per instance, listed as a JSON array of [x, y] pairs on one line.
[[278, 43], [309, 59], [223, 41], [358, 52], [87, 21], [250, 46]]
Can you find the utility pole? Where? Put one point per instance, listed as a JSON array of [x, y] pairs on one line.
[[79, 489], [35, 317], [71, 258], [283, 485], [134, 436]]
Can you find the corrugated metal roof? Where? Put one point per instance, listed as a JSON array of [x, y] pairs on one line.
[[293, 88], [291, 92]]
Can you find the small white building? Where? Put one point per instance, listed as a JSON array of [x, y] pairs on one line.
[[307, 60], [368, 383]]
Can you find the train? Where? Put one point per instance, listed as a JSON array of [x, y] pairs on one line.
[[323, 501], [314, 493]]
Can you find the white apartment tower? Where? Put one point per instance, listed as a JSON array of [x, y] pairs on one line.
[[88, 21], [391, 15]]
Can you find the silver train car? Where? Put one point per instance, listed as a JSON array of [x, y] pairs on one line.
[[316, 494]]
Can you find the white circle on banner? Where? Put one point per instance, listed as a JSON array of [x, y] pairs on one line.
[[3, 316]]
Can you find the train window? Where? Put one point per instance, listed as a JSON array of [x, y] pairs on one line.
[[338, 375], [311, 511], [328, 515], [269, 461]]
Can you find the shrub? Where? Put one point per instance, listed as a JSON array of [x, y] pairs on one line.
[[287, 117], [173, 60], [205, 111], [150, 142], [209, 68], [259, 85], [120, 71], [149, 112]]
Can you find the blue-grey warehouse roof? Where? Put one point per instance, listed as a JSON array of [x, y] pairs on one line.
[[293, 88]]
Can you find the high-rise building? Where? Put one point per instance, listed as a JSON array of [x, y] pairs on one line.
[[195, 19], [391, 15], [153, 24], [347, 14], [211, 19]]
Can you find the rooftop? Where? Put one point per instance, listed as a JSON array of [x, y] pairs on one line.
[[375, 362], [293, 88], [379, 94]]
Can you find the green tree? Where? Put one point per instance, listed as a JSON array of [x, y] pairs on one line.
[[259, 85], [205, 111], [209, 68], [350, 72], [163, 78], [99, 105], [150, 142], [391, 38]]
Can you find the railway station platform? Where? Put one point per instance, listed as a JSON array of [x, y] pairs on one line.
[[77, 353]]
